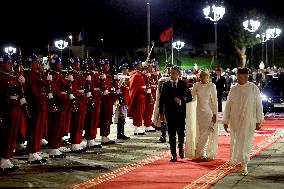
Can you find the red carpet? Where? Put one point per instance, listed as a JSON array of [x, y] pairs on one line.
[[157, 172]]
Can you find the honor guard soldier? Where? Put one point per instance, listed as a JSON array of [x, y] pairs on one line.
[[57, 102], [36, 97], [137, 97], [108, 100], [92, 87], [123, 100], [78, 106], [151, 82], [10, 111], [21, 137]]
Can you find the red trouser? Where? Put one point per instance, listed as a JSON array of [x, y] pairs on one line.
[[147, 117], [77, 123], [9, 131], [139, 112], [34, 131], [106, 115], [56, 129], [21, 136], [91, 122]]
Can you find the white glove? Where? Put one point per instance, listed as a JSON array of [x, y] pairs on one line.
[[148, 91], [22, 79], [49, 77], [106, 92], [118, 91], [103, 76], [70, 78], [71, 96], [116, 77], [148, 75], [22, 101], [50, 95], [88, 78], [89, 94]]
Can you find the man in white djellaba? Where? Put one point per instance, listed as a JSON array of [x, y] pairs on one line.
[[202, 128], [243, 114]]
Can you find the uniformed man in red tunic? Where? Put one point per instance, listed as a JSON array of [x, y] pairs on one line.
[[56, 120], [137, 97], [92, 87], [78, 103], [108, 99], [151, 83], [10, 111], [36, 97]]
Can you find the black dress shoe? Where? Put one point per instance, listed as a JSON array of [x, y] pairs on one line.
[[173, 159], [20, 152], [58, 156], [181, 153], [9, 169], [108, 142], [162, 139], [38, 161], [141, 133], [94, 146], [123, 137]]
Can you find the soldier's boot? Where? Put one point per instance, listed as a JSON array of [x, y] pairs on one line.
[[120, 129]]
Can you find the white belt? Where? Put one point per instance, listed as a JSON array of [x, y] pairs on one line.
[[143, 87], [153, 85], [96, 89], [14, 97], [63, 92], [81, 91]]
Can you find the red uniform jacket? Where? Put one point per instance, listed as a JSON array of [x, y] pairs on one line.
[[136, 90]]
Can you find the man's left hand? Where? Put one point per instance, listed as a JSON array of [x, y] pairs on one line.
[[177, 100], [258, 126]]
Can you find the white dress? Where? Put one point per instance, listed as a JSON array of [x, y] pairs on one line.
[[243, 110], [200, 141]]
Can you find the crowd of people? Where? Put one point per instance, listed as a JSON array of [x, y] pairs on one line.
[[41, 106]]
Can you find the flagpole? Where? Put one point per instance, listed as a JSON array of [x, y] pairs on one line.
[[172, 51]]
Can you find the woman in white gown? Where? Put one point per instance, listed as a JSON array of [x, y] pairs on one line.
[[202, 128]]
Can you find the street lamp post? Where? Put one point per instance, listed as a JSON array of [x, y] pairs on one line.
[[251, 26], [178, 45], [60, 44], [10, 50], [71, 42], [264, 37], [148, 25], [218, 12], [273, 33]]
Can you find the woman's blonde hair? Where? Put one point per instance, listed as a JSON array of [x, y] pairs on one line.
[[206, 71]]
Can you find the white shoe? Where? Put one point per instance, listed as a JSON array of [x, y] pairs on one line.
[[6, 163], [106, 140], [54, 152], [90, 143], [76, 147], [43, 142], [150, 129], [34, 157], [136, 130]]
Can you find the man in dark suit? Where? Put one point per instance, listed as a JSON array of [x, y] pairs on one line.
[[173, 99], [220, 83]]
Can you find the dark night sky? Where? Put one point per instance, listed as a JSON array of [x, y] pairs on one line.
[[121, 23]]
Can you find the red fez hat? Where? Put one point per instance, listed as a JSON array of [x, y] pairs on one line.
[[242, 71]]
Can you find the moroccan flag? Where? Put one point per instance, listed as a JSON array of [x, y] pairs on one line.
[[167, 35]]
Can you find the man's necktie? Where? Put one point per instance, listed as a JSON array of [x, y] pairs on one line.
[[174, 85]]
